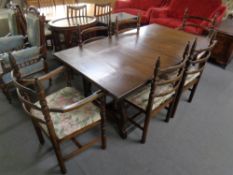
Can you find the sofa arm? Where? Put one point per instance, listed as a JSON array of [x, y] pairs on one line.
[[158, 12], [120, 4], [220, 12]]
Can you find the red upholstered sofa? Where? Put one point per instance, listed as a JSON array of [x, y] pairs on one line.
[[173, 14], [138, 6]]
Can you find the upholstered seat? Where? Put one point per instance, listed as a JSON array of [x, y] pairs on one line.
[[141, 98], [69, 122]]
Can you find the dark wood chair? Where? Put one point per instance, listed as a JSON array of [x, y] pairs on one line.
[[76, 11], [196, 22], [122, 26], [62, 115], [92, 34], [21, 21], [158, 94], [195, 67], [102, 12]]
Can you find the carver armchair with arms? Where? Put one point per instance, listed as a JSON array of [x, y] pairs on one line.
[[63, 114]]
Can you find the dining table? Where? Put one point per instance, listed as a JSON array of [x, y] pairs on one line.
[[120, 65]]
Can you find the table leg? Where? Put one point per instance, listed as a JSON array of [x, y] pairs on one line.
[[123, 118]]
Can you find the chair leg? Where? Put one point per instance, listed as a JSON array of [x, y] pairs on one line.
[[193, 90], [103, 137], [145, 129], [58, 153], [170, 112], [7, 94], [39, 133]]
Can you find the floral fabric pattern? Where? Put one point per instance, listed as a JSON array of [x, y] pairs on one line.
[[141, 98], [69, 122]]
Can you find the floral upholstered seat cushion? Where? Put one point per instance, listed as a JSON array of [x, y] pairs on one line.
[[141, 98], [192, 76], [69, 122]]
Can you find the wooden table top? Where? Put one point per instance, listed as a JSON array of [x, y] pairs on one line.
[[120, 65], [68, 23]]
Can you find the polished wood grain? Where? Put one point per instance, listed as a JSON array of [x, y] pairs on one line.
[[120, 65]]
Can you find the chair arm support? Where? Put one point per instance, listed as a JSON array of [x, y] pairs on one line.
[[79, 104], [53, 73]]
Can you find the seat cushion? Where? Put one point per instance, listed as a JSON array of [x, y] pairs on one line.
[[21, 56], [133, 11], [170, 22], [69, 122], [10, 43], [141, 97]]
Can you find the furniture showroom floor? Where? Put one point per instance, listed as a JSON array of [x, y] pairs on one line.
[[197, 142]]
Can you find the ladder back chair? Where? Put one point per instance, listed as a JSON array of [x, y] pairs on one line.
[[62, 115], [76, 11], [204, 24], [92, 34], [156, 95], [102, 10], [122, 26], [195, 67]]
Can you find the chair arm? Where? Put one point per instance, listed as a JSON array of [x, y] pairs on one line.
[[120, 4], [158, 12], [11, 43], [79, 104], [52, 73]]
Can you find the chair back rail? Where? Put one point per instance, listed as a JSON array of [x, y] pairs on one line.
[[102, 9], [122, 26], [92, 34], [206, 28], [76, 11]]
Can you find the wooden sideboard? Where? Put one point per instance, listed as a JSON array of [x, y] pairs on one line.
[[222, 54]]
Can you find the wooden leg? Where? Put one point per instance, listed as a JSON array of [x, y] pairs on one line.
[[193, 90], [103, 114], [123, 121], [58, 153], [145, 128], [6, 92], [39, 133], [87, 87], [169, 112]]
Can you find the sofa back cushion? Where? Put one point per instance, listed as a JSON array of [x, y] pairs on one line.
[[145, 4], [201, 8], [204, 8]]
